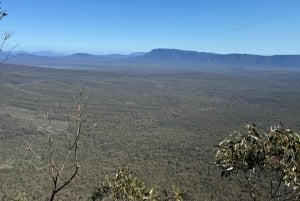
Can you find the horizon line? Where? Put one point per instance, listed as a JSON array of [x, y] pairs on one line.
[[61, 53]]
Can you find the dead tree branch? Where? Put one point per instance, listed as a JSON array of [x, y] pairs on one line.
[[60, 174], [5, 36]]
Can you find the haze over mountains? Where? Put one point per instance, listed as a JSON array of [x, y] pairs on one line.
[[159, 57]]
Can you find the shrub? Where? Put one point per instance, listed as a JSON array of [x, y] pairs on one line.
[[124, 186], [255, 153]]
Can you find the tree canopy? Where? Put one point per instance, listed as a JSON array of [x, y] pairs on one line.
[[276, 151]]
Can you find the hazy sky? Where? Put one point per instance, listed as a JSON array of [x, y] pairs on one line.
[[123, 26]]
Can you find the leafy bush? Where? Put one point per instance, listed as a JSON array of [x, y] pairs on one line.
[[275, 152], [123, 186]]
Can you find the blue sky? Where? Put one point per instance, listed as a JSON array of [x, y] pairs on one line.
[[123, 26]]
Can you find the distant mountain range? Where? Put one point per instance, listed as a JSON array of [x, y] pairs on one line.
[[179, 57], [159, 57]]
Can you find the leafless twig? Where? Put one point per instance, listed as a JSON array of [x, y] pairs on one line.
[[70, 157], [5, 36]]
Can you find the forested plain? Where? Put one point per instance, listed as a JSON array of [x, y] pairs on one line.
[[162, 124]]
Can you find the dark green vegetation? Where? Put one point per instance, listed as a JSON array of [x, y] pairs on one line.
[[163, 125]]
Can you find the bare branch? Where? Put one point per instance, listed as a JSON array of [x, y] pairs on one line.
[[70, 156], [274, 194], [4, 46], [5, 36], [29, 148], [68, 181]]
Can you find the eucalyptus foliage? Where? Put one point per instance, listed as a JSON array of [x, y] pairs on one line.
[[125, 187], [276, 151]]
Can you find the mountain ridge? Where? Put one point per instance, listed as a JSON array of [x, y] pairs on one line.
[[165, 57], [193, 57]]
